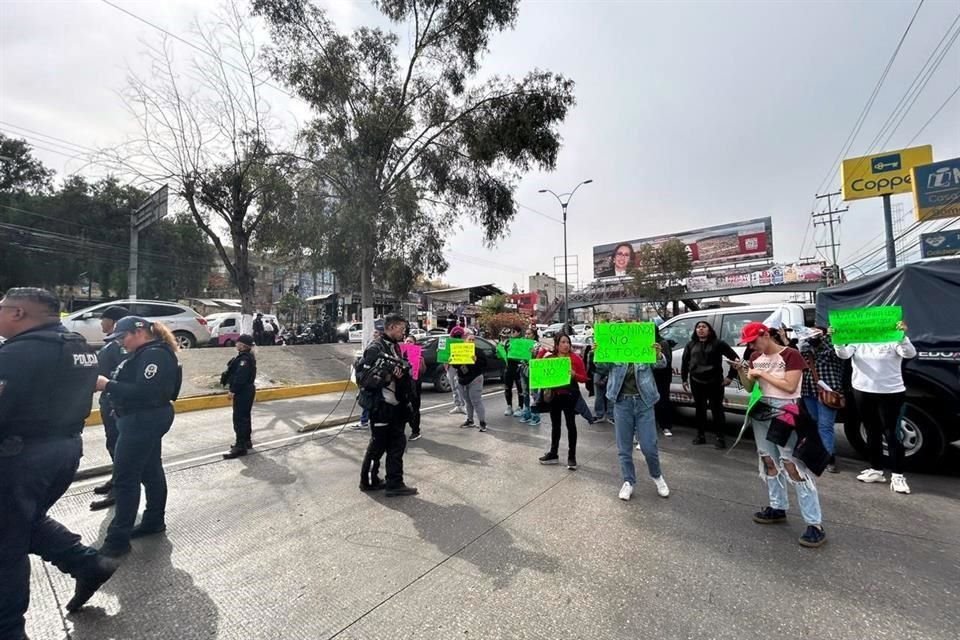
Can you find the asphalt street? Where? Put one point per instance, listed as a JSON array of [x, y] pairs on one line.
[[282, 544]]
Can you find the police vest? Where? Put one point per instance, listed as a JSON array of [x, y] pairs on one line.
[[67, 384]]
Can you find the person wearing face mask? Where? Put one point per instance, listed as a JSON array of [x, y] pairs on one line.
[[142, 391], [702, 374], [240, 376]]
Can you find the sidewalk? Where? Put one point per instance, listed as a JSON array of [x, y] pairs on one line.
[[283, 545]]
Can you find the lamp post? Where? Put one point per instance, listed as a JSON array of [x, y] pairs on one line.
[[564, 200]]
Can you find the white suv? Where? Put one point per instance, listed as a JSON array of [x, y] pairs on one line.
[[189, 327]]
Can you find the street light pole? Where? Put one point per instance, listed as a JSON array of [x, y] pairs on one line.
[[564, 200]]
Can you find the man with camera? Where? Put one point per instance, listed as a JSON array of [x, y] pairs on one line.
[[386, 391]]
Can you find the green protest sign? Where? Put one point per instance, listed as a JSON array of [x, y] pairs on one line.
[[520, 348], [625, 342], [443, 348], [547, 373], [755, 397], [501, 352], [867, 324]]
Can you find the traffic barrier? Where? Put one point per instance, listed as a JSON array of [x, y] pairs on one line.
[[220, 400]]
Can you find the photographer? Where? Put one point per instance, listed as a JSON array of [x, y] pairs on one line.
[[386, 392]]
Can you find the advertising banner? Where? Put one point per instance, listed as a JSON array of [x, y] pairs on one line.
[[625, 342], [936, 190], [867, 324], [882, 174], [722, 244], [937, 245], [770, 275]]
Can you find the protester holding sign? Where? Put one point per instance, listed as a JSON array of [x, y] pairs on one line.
[[632, 390], [511, 378], [878, 385], [459, 404], [531, 414], [778, 371], [702, 364], [823, 388], [562, 401], [414, 355], [470, 377]]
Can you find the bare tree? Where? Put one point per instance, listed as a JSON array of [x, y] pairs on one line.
[[205, 129]]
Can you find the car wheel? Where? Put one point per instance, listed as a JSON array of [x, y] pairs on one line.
[[922, 437], [185, 340], [441, 383], [228, 343]]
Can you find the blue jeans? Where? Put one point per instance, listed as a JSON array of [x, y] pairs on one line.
[[806, 488], [33, 476], [633, 416], [826, 418], [582, 409], [600, 399], [138, 460]]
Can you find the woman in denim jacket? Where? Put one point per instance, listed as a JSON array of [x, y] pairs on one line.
[[632, 391]]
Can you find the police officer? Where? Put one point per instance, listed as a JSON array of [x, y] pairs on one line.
[[240, 375], [142, 390], [109, 358], [47, 378], [386, 392]]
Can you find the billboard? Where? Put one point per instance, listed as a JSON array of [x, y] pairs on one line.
[[936, 245], [936, 190], [882, 174], [767, 276], [722, 244]]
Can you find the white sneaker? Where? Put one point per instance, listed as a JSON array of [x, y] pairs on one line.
[[508, 411], [662, 489], [626, 491], [637, 447], [871, 475], [668, 433], [898, 484], [454, 410]]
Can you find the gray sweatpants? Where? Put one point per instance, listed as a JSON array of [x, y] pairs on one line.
[[473, 394], [455, 389]]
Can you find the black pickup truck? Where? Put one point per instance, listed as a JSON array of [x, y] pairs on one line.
[[929, 293]]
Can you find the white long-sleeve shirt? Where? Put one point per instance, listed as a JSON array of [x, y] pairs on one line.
[[877, 367]]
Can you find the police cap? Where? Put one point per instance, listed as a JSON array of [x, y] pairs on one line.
[[245, 339], [115, 312], [128, 324]]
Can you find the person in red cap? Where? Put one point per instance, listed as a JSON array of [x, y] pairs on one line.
[[779, 372]]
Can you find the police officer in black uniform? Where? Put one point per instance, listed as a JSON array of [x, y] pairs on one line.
[[47, 378], [109, 357], [240, 375], [386, 392], [142, 391]]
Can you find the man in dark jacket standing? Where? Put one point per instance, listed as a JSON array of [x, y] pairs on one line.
[[109, 358], [258, 329], [386, 392]]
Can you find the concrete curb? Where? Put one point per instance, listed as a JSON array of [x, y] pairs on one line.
[[220, 400]]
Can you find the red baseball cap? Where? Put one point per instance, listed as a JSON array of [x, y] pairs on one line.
[[752, 331]]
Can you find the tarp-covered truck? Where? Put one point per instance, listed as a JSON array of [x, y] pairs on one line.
[[929, 293]]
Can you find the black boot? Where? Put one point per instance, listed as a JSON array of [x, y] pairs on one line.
[[105, 488], [235, 452], [103, 503], [87, 585], [700, 439]]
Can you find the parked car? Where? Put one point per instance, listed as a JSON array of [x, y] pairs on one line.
[[189, 327], [551, 330], [418, 333], [929, 293], [727, 322], [435, 373], [226, 327], [345, 330]]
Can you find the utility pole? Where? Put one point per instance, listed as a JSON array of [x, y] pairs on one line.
[[830, 220]]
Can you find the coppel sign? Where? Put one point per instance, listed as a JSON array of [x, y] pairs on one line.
[[883, 174]]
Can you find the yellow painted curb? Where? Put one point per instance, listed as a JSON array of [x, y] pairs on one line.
[[220, 400]]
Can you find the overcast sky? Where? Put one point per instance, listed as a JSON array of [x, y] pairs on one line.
[[688, 114]]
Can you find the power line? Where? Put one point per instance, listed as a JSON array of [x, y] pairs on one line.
[[869, 104], [197, 47], [935, 114]]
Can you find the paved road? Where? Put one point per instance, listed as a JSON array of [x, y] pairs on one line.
[[281, 544]]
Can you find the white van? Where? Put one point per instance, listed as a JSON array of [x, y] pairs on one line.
[[225, 327], [727, 322]]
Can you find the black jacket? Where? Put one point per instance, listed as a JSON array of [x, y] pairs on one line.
[[148, 379], [386, 398], [665, 373], [47, 380], [109, 357], [467, 373], [703, 361], [241, 373]]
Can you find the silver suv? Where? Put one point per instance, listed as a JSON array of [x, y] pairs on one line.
[[189, 327]]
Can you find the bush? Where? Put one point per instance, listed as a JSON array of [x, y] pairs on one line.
[[493, 324]]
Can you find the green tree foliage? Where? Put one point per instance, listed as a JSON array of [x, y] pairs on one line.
[[658, 273], [80, 232], [406, 142]]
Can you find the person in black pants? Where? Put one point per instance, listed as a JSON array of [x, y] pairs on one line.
[[563, 403], [415, 400], [48, 376], [241, 374], [511, 379], [663, 376], [703, 365], [142, 391], [108, 358], [385, 391]]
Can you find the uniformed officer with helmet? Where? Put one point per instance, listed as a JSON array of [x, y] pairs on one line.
[[109, 358], [142, 390], [47, 379]]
